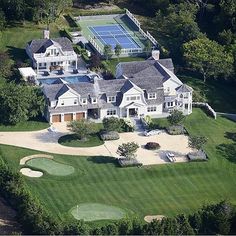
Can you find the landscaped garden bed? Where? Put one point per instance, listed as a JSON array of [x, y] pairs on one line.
[[71, 140]]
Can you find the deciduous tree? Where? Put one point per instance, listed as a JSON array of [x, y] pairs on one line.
[[208, 57], [128, 150], [82, 128]]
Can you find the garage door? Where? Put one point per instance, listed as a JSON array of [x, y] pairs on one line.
[[68, 117], [80, 116], [56, 118]]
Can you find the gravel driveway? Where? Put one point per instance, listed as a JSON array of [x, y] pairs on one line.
[[46, 141]]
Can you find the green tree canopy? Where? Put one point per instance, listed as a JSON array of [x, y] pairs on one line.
[[107, 51], [208, 57], [197, 142], [177, 24], [127, 149], [19, 103], [82, 128], [118, 49], [176, 117]]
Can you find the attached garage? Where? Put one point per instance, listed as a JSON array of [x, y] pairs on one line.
[[80, 115], [68, 117], [56, 118]]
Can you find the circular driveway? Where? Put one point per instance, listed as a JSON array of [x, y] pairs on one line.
[[46, 141]]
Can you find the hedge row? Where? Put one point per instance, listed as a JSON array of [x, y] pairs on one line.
[[81, 51], [103, 12]]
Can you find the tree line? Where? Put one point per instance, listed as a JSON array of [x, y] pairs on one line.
[[217, 218]]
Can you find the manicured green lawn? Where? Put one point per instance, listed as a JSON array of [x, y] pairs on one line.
[[51, 167], [220, 95], [72, 140], [95, 211], [164, 189], [25, 126], [15, 38]]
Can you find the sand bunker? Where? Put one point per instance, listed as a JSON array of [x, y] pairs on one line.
[[25, 159], [150, 218], [31, 173]]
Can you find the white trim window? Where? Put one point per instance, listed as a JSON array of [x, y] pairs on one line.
[[94, 100], [152, 109], [111, 99], [152, 95], [83, 101], [133, 98], [111, 112]]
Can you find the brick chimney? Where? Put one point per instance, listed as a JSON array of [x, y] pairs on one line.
[[46, 34], [156, 54]]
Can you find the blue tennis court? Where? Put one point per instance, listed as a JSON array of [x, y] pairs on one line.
[[113, 35]]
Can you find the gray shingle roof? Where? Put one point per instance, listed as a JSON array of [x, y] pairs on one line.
[[167, 63], [184, 88], [40, 45]]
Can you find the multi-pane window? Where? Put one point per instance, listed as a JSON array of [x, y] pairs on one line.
[[152, 96], [111, 112], [170, 104], [94, 100], [133, 98], [152, 109], [84, 100], [111, 99]]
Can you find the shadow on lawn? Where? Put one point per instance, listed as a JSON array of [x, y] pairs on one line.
[[231, 135], [17, 54], [228, 151], [103, 160]]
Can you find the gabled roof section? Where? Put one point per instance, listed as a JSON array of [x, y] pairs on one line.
[[40, 45], [184, 88], [129, 85], [63, 90]]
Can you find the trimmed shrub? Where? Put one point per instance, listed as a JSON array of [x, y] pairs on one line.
[[102, 12], [197, 156], [176, 130], [128, 125], [109, 135], [152, 146], [129, 162]]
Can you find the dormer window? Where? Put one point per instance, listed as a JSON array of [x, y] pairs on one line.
[[94, 100], [84, 101], [111, 99], [152, 96]]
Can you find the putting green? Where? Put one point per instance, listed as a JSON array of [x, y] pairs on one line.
[[96, 211], [51, 167]]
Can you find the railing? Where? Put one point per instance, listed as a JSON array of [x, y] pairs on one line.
[[151, 38], [130, 50], [95, 45], [132, 17], [137, 23], [56, 58]]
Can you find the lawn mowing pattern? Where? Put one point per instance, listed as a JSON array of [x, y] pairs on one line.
[[164, 189], [51, 167], [25, 126], [71, 140], [96, 211]]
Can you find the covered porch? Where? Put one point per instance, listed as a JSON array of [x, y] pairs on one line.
[[133, 110]]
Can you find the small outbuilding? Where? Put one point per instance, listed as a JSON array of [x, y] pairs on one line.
[[28, 74]]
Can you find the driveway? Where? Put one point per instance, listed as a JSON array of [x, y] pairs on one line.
[[46, 141]]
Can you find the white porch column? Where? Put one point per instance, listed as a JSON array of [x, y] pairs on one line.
[[76, 63]]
